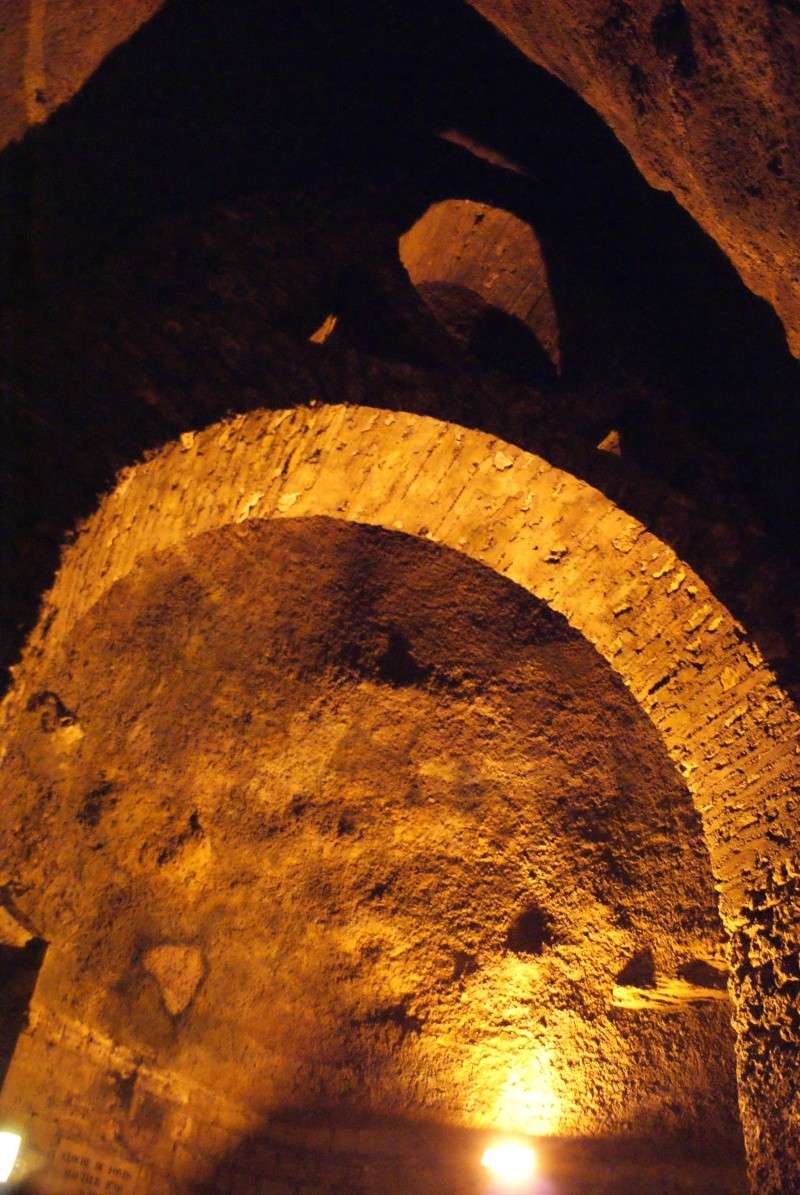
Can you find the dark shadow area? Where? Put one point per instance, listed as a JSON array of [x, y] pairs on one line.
[[640, 972], [703, 974], [207, 103], [495, 339], [19, 970], [147, 295], [356, 1153], [530, 933], [502, 342], [363, 1154]]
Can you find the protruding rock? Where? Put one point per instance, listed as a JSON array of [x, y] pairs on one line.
[[177, 970]]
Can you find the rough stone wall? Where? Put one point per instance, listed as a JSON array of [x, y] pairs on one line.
[[310, 810], [490, 253], [194, 1142], [50, 48], [78, 1095], [314, 790], [691, 667], [704, 96], [684, 658], [169, 361]]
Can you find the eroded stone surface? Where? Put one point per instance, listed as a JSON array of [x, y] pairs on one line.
[[691, 667], [12, 931], [462, 247], [354, 769], [49, 49], [704, 95], [695, 670], [177, 970]]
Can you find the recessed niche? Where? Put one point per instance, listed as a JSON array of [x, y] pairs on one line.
[[639, 972], [531, 932]]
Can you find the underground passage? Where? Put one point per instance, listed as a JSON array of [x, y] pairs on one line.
[[400, 637]]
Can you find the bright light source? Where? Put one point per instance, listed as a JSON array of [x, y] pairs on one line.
[[510, 1162], [9, 1148]]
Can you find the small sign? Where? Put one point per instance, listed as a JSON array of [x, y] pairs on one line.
[[81, 1169]]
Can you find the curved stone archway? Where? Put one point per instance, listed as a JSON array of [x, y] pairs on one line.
[[470, 261], [723, 718]]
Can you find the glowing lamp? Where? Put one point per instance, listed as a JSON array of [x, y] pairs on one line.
[[9, 1148], [510, 1162]]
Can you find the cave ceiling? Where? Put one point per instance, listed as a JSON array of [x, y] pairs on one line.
[[401, 618], [702, 95]]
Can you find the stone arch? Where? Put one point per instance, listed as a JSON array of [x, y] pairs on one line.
[[471, 262], [724, 720]]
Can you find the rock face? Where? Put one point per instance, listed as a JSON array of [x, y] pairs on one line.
[[704, 96], [177, 970], [50, 47], [355, 769], [321, 815], [461, 251]]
